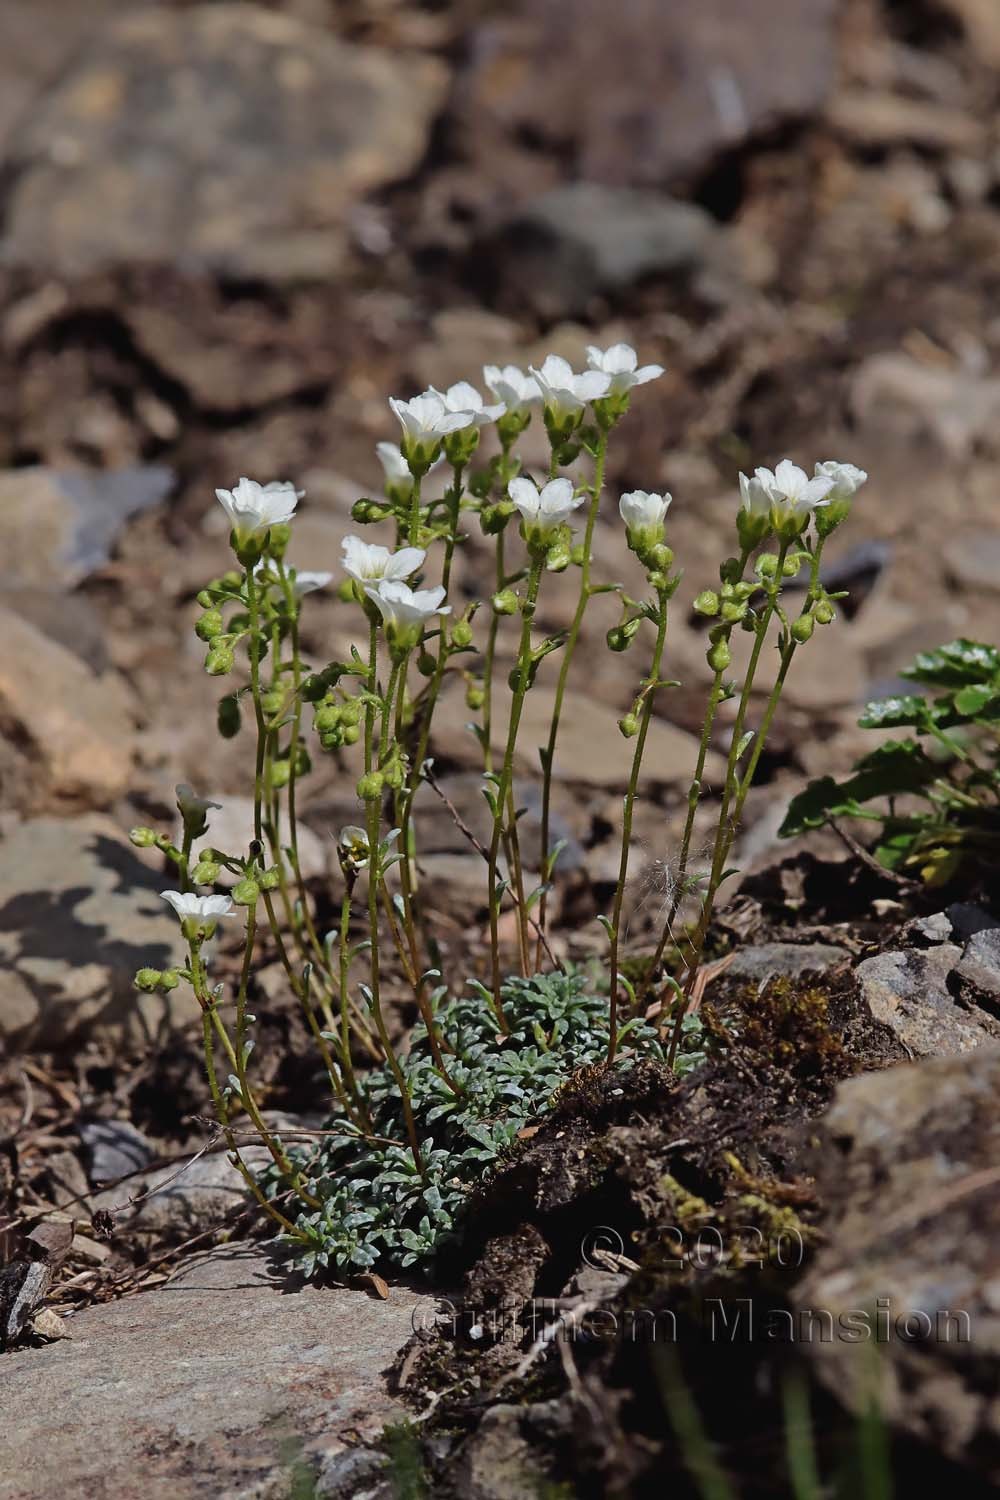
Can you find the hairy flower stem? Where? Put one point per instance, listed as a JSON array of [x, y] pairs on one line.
[[507, 774], [649, 693], [413, 531], [490, 656], [548, 754]]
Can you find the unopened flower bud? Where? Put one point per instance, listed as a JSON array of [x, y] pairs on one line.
[[475, 695], [767, 565], [272, 701], [707, 603], [350, 712], [148, 981], [270, 879], [246, 892], [209, 625], [505, 603], [731, 612], [493, 518], [366, 512], [206, 872], [719, 655], [327, 718], [558, 556], [729, 571], [620, 637], [228, 716], [220, 659], [629, 726], [823, 611], [143, 838], [802, 628], [426, 664], [281, 772], [350, 734], [461, 635], [792, 564], [370, 786]]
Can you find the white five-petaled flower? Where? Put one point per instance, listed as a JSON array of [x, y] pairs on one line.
[[190, 907], [405, 609], [792, 494], [544, 509], [564, 393], [253, 507], [642, 511], [621, 363], [368, 562], [847, 478], [756, 500], [510, 385], [426, 419], [464, 398]]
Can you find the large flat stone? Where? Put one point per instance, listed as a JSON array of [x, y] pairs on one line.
[[212, 1386]]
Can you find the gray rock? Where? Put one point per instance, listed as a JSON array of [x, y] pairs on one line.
[[215, 1384], [79, 914], [223, 135], [980, 963], [667, 87], [792, 959], [56, 526], [180, 1200], [69, 732], [908, 1174], [973, 560], [583, 238], [115, 1148], [936, 928], [907, 990], [497, 1462]]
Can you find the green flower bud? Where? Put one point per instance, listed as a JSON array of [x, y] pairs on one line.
[[719, 655], [272, 701], [729, 571], [350, 734], [366, 512], [707, 603], [206, 872], [206, 599], [270, 879], [370, 786], [246, 892], [792, 564], [823, 611], [148, 980], [278, 537], [475, 695], [394, 775], [620, 637], [143, 838], [802, 628], [493, 518], [660, 558], [314, 688], [209, 625], [505, 603], [731, 612], [221, 658], [350, 712], [629, 726], [558, 556], [327, 718], [767, 565], [281, 772], [228, 716], [169, 979], [461, 635], [577, 555], [426, 664]]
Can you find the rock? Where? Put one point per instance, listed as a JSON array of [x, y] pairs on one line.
[[215, 1384], [908, 1176], [497, 1462], [981, 21], [227, 136], [68, 731], [230, 828], [57, 527], [79, 914], [764, 960], [71, 620], [973, 560], [967, 919], [936, 928], [561, 249], [897, 395], [667, 87], [908, 991], [115, 1148], [179, 1202], [980, 963]]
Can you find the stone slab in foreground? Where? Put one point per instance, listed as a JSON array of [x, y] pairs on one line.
[[211, 1386]]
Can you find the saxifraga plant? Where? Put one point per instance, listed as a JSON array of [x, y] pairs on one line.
[[375, 709], [935, 795]]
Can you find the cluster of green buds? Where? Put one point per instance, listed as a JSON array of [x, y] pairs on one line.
[[338, 723]]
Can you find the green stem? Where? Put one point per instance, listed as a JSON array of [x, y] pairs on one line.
[[649, 688], [507, 775], [414, 528], [567, 661]]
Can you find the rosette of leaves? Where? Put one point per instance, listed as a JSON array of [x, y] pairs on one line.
[[377, 1208], [936, 793]]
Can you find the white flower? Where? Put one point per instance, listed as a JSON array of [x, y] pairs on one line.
[[405, 609], [198, 908], [756, 500], [367, 562], [563, 393], [303, 582], [847, 479], [792, 494], [463, 397], [427, 419], [642, 511], [397, 470], [510, 385], [620, 363], [353, 846], [543, 510], [253, 507]]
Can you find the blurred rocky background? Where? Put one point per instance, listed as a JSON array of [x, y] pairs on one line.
[[228, 231]]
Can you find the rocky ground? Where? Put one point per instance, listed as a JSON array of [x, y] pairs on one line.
[[227, 233]]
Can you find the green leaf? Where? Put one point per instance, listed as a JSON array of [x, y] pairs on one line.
[[971, 700], [955, 664], [896, 767], [894, 713]]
